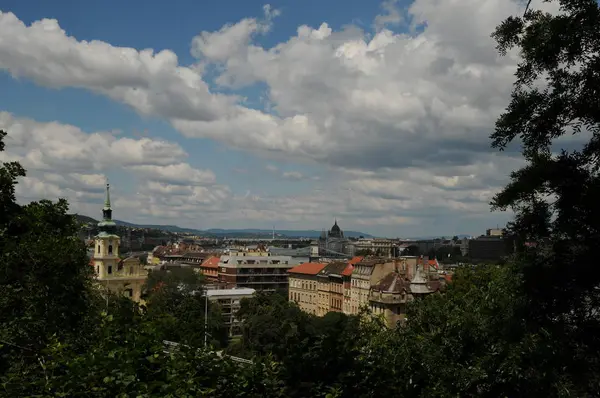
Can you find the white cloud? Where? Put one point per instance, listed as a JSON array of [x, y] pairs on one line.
[[403, 118], [180, 173], [293, 175], [53, 146]]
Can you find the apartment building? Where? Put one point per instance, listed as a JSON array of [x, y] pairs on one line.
[[229, 301], [303, 284], [365, 274], [210, 269], [347, 280], [407, 282], [376, 246], [257, 269], [330, 286]]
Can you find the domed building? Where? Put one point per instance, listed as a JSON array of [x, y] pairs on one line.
[[334, 244]]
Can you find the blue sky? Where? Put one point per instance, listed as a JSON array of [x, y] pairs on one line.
[[357, 121]]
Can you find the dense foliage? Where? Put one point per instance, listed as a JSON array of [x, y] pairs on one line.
[[527, 328]]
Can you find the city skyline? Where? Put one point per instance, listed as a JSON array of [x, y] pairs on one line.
[[256, 115]]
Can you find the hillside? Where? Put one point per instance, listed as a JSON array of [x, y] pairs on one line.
[[81, 219], [225, 233]]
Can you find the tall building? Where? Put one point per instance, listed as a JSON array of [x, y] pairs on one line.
[[304, 286], [122, 276], [330, 284], [257, 269], [229, 301]]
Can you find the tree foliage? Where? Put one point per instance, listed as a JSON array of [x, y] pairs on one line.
[[555, 196], [175, 302], [44, 277], [527, 328]]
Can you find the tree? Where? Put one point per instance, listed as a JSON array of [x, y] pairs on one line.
[[364, 252], [45, 284], [60, 338], [555, 196], [317, 354], [175, 302]]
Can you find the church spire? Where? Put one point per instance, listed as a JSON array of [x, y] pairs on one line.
[[106, 210], [107, 197]]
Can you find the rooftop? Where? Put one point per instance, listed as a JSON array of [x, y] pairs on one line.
[[350, 267], [335, 268], [211, 262], [307, 268], [230, 292]]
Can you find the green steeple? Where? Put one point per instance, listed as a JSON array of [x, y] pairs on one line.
[[107, 198], [107, 226]]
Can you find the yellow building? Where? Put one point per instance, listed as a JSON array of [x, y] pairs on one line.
[[120, 276], [331, 288], [303, 286], [365, 274]]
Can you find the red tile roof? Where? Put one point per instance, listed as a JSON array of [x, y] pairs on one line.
[[355, 260], [307, 268], [350, 267], [211, 262], [348, 270]]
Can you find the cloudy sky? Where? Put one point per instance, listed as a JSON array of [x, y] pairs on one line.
[[238, 114]]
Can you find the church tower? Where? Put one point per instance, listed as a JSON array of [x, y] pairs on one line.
[[121, 276], [106, 250]]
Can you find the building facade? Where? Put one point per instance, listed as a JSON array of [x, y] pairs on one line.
[[376, 247], [229, 301], [210, 269], [405, 283], [303, 286], [365, 274], [256, 269], [126, 276], [330, 286]]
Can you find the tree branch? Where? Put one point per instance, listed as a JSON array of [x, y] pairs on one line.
[[527, 7]]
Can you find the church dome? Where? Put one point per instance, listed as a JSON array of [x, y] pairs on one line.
[[336, 231], [335, 228]]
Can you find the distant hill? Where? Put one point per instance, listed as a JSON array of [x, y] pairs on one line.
[[460, 236], [81, 219], [218, 232], [285, 232]]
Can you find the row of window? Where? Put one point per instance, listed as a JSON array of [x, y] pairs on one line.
[[305, 285], [301, 297]]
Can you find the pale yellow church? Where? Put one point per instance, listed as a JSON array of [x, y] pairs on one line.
[[122, 276]]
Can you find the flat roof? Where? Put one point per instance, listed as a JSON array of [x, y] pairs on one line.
[[230, 292]]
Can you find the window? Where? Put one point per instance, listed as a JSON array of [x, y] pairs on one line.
[[128, 292], [110, 269], [98, 249], [130, 270], [109, 249], [97, 269]]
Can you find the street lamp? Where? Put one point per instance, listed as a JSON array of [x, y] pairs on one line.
[[205, 317]]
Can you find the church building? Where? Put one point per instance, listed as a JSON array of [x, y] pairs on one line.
[[121, 276], [334, 244]]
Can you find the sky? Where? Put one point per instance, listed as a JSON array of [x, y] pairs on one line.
[[242, 114]]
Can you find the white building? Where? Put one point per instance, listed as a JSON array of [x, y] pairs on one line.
[[230, 301]]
